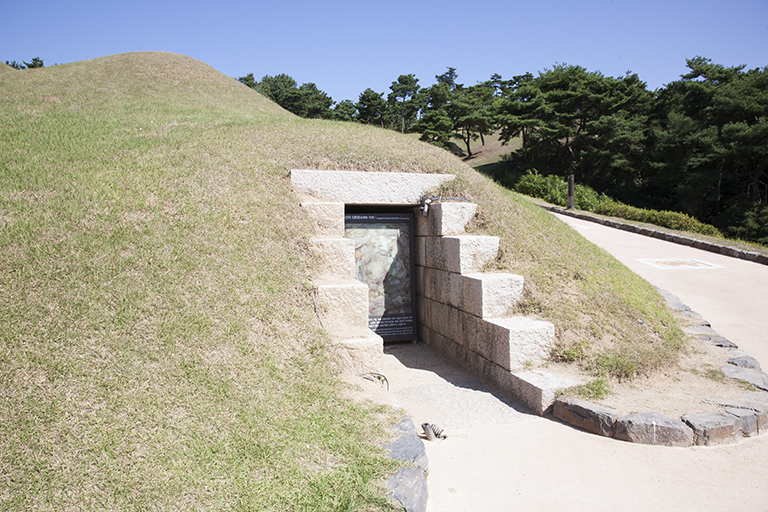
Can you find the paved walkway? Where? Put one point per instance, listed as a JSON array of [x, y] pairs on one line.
[[730, 293], [498, 457]]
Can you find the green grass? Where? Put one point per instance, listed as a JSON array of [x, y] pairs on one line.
[[594, 302], [156, 355], [709, 372], [158, 342], [596, 389]]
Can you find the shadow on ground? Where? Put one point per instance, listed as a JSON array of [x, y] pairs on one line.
[[433, 389]]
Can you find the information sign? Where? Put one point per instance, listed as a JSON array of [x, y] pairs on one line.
[[383, 261]]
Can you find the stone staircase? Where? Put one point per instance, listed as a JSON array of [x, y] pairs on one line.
[[340, 299], [462, 311], [465, 313]]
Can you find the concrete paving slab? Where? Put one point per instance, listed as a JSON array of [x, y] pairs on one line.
[[542, 465], [499, 457]]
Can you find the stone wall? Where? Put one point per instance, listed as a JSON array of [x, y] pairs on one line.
[[465, 313]]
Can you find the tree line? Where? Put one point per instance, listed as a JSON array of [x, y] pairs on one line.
[[36, 62], [698, 145], [439, 112]]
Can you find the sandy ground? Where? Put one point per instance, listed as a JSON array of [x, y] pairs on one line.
[[500, 457]]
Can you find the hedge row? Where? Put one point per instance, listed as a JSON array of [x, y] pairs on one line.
[[667, 219], [554, 190]]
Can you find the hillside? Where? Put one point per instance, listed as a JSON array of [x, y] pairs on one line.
[[159, 344]]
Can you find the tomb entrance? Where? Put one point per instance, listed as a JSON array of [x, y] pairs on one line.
[[396, 267]]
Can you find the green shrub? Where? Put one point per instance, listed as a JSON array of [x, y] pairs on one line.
[[667, 219], [552, 189], [585, 198]]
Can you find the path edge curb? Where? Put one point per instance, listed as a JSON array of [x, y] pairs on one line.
[[663, 235]]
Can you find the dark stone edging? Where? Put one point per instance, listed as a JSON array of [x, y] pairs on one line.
[[669, 237], [739, 419], [409, 485]]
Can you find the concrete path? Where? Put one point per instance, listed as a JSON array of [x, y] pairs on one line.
[[730, 293], [498, 457]]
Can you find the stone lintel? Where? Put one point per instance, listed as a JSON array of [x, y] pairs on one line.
[[356, 187]]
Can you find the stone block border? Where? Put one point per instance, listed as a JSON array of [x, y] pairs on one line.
[[737, 419], [409, 485]]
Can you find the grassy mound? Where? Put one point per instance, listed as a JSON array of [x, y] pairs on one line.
[[159, 348]]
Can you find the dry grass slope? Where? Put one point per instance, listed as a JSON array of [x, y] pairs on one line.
[[159, 345]]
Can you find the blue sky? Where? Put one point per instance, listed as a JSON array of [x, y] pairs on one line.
[[347, 46]]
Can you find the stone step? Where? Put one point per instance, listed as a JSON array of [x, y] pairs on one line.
[[445, 219], [362, 353], [342, 305], [326, 217], [336, 256], [490, 295], [513, 343], [518, 342], [460, 254], [535, 389]]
